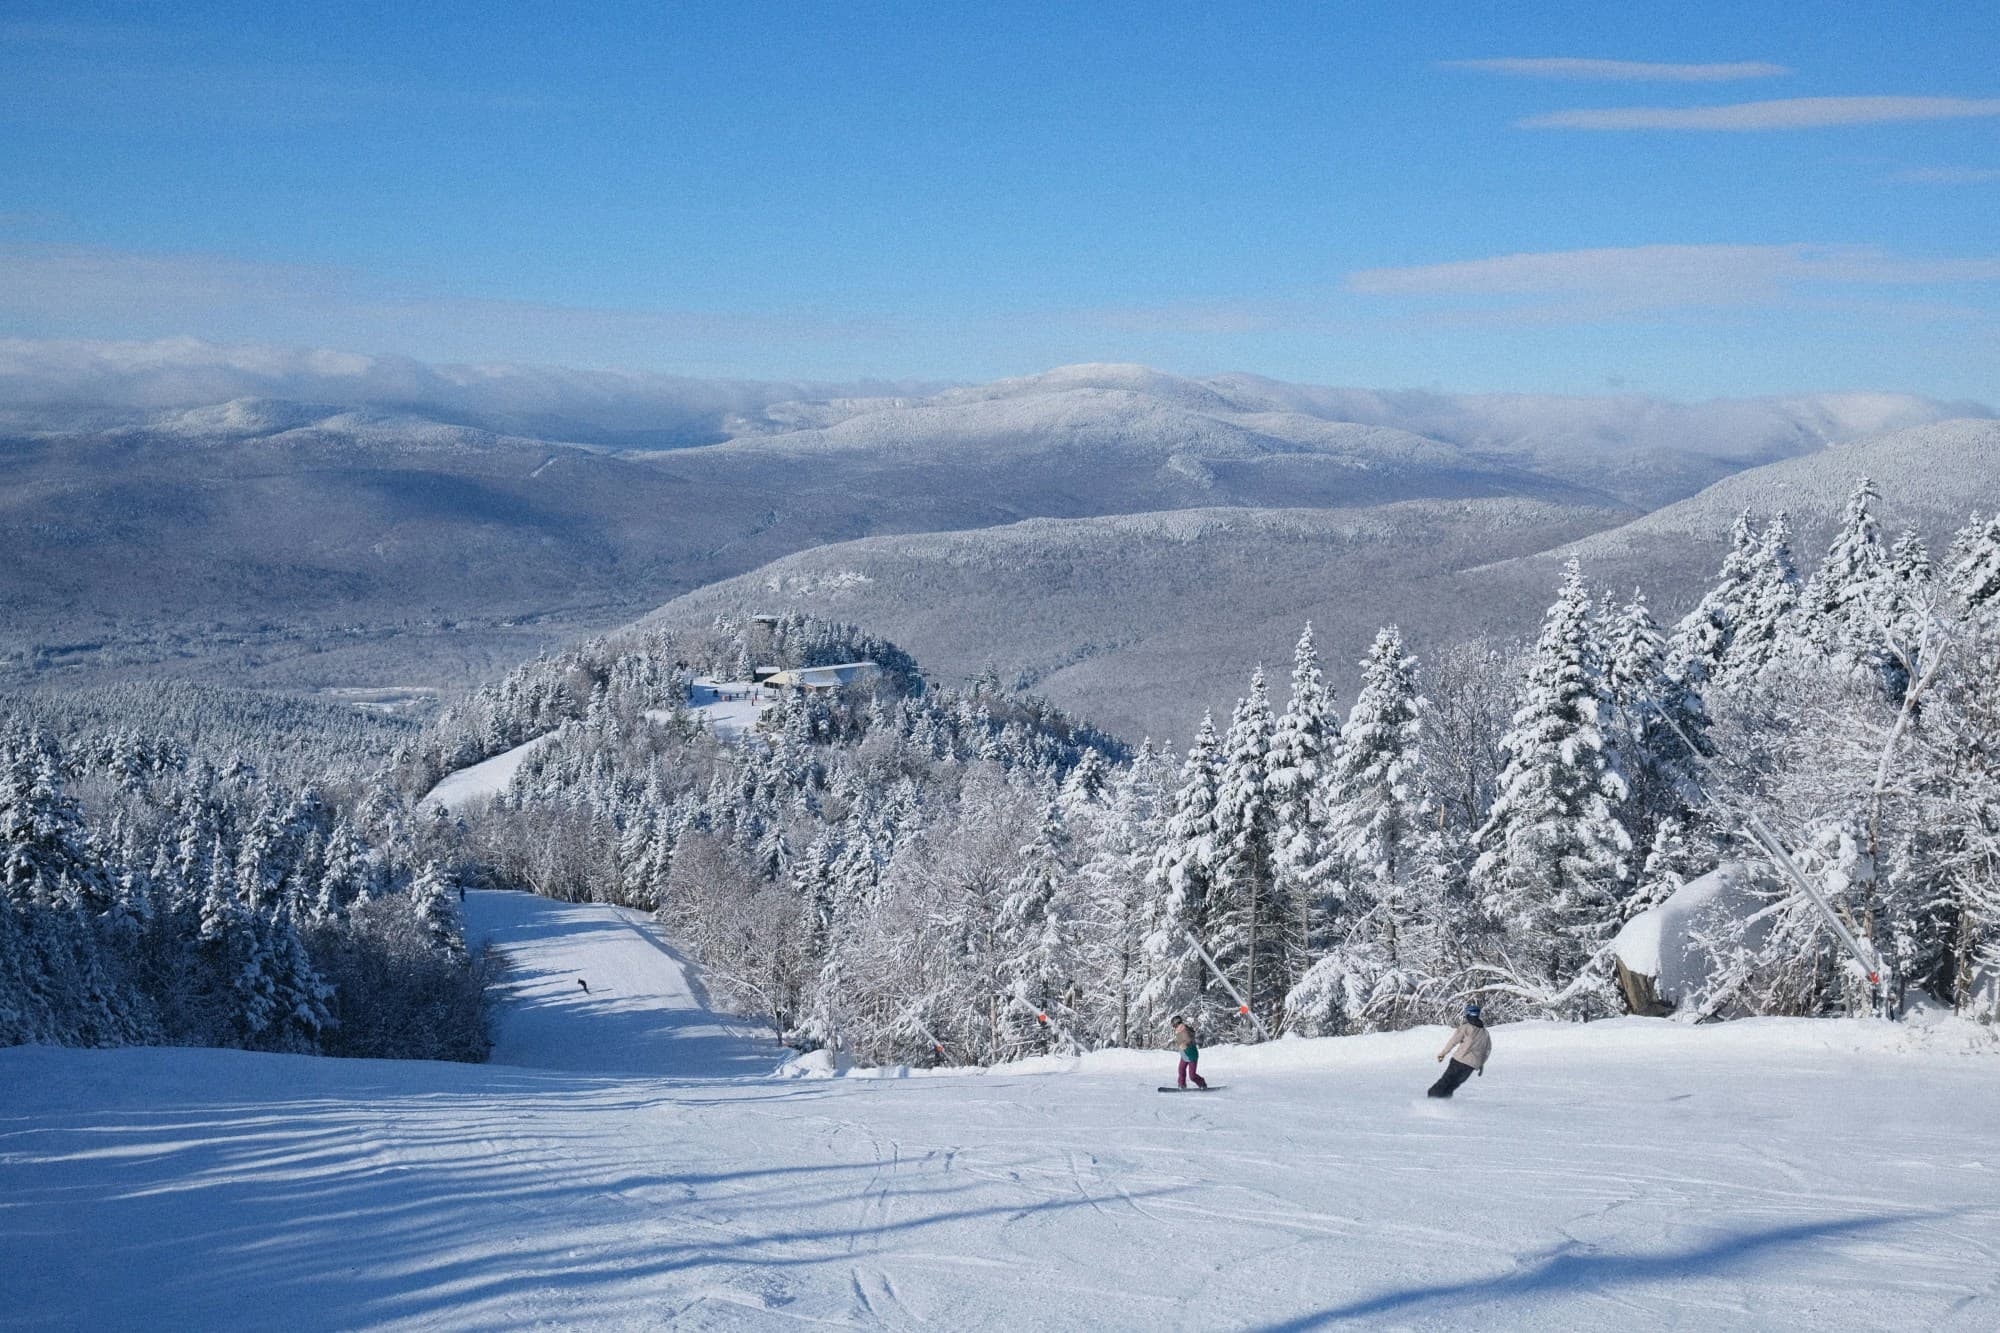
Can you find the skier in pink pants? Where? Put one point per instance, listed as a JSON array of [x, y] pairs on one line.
[[1190, 1053]]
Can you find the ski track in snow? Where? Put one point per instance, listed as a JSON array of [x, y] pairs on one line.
[[627, 1162]]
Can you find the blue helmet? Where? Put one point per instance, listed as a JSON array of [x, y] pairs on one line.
[[1472, 1011]]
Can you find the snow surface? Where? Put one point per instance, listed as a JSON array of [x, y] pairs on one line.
[[633, 1165], [483, 780], [729, 707]]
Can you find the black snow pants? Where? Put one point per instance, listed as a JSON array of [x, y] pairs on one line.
[[1454, 1074]]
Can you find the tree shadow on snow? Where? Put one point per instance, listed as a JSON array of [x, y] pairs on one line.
[[1574, 1269], [315, 1194]]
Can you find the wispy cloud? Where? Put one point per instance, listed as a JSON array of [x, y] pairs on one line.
[[1949, 175], [172, 373], [1604, 283], [90, 291], [1619, 71], [1791, 113], [1209, 318]]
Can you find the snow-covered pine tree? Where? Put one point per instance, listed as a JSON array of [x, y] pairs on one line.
[[42, 839], [1913, 600], [1658, 717], [1552, 859], [1249, 928], [1702, 641], [1767, 609], [1847, 607], [1181, 886], [1086, 784], [1672, 858], [1377, 809], [1963, 828], [1381, 948], [1304, 746], [1113, 878], [433, 905], [636, 841], [300, 998], [1036, 931], [1975, 566]]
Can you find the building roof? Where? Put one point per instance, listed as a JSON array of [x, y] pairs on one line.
[[825, 677]]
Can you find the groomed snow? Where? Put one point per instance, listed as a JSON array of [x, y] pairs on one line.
[[636, 1167], [480, 781]]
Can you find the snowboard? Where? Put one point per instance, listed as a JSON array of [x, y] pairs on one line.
[[1213, 1087]]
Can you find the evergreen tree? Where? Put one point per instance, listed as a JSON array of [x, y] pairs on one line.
[[1766, 613], [1376, 805], [1975, 565], [1305, 744], [1182, 881], [1383, 950], [1912, 594], [433, 901], [299, 997], [1848, 607], [1702, 642], [1661, 727], [42, 840], [1114, 879], [1036, 936], [1552, 853], [1671, 860], [1248, 925]]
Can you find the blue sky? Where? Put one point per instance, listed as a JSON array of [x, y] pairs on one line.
[[1692, 200]]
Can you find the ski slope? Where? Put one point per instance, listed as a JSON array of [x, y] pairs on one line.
[[729, 708], [483, 780], [628, 1162]]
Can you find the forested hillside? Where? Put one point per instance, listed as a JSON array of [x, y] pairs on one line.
[[390, 525], [968, 876], [185, 866]]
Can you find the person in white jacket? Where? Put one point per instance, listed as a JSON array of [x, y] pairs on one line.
[[1468, 1048]]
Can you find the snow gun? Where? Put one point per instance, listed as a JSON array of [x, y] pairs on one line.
[[1242, 1005]]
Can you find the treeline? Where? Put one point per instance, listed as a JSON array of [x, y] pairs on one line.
[[968, 875], [1342, 881], [627, 675], [266, 732], [151, 894]]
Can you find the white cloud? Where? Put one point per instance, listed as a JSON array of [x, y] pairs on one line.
[[568, 403], [1620, 71], [86, 292], [1792, 113], [1584, 284]]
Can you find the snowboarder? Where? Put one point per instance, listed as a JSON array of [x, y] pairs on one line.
[[1190, 1053], [1468, 1048], [585, 984]]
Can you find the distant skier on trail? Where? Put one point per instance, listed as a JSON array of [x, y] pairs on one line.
[[1468, 1048], [1190, 1053], [585, 984]]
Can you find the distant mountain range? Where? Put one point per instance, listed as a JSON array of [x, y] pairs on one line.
[[383, 523], [1141, 621]]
